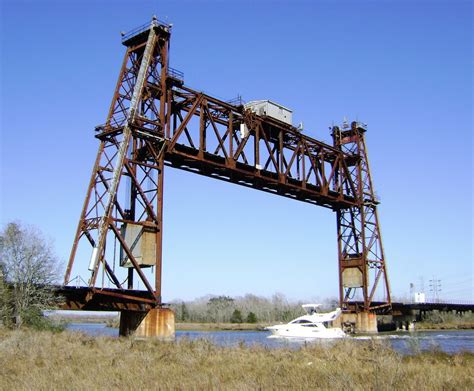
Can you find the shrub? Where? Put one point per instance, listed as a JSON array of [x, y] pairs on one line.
[[251, 318], [236, 317]]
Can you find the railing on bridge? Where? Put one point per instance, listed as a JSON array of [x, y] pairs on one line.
[[144, 27]]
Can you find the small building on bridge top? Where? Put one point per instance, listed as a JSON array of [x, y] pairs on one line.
[[419, 297], [271, 109]]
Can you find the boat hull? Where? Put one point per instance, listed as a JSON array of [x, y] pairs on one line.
[[313, 325], [283, 331]]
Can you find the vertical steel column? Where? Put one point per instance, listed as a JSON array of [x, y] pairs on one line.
[[165, 112], [159, 234], [103, 228], [126, 149]]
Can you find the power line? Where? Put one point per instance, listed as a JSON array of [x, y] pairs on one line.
[[435, 289]]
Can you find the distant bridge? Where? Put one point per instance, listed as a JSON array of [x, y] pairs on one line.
[[400, 308]]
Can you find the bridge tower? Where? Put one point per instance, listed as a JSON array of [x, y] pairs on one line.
[[362, 268], [124, 201]]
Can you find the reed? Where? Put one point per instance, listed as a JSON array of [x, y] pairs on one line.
[[47, 361]]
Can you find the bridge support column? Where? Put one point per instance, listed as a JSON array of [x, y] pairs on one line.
[[363, 322], [156, 323], [366, 322]]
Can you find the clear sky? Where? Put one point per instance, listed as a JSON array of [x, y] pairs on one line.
[[404, 67]]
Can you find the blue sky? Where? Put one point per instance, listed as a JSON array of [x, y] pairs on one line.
[[404, 67]]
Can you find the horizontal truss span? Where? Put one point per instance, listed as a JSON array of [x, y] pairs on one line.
[[214, 138], [104, 299]]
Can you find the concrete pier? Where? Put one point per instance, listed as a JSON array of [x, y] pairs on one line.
[[362, 322], [157, 323]]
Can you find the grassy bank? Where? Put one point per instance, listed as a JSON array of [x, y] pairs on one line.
[[444, 326], [221, 326], [446, 321], [44, 361], [194, 326]]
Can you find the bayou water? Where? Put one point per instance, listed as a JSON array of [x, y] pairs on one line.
[[449, 341]]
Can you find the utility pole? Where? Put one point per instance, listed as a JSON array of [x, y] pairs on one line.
[[435, 289]]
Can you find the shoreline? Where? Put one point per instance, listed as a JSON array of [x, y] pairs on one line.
[[187, 326], [261, 327], [190, 326], [459, 327]]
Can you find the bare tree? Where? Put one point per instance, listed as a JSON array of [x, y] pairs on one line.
[[30, 268]]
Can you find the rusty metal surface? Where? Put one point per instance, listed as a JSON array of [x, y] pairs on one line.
[[158, 323], [362, 266], [163, 122], [398, 308], [106, 299]]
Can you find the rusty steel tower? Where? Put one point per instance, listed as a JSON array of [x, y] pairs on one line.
[[156, 121]]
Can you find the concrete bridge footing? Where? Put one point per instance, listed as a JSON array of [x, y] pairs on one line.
[[362, 322], [157, 323], [367, 323]]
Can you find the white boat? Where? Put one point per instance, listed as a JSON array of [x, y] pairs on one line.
[[312, 325]]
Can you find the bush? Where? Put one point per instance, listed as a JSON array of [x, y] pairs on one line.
[[251, 318], [236, 317]]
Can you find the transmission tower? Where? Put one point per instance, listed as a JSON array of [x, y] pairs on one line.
[[435, 289]]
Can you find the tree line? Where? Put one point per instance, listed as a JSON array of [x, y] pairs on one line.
[[243, 309]]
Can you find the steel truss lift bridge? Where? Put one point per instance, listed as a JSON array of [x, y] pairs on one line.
[[154, 121]]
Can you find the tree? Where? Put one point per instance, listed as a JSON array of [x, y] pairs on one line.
[[219, 308], [30, 269], [4, 299], [184, 312], [251, 318], [236, 317]]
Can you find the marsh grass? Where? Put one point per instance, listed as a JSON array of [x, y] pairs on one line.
[[48, 361]]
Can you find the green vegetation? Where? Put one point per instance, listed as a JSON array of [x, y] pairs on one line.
[[43, 360], [252, 318], [236, 317]]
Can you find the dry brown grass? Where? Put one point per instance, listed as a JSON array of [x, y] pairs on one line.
[[48, 361]]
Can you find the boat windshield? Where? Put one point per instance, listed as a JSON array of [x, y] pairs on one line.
[[301, 321]]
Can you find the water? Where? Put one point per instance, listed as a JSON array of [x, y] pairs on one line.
[[403, 342]]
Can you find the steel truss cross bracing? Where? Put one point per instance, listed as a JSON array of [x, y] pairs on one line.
[[156, 121]]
